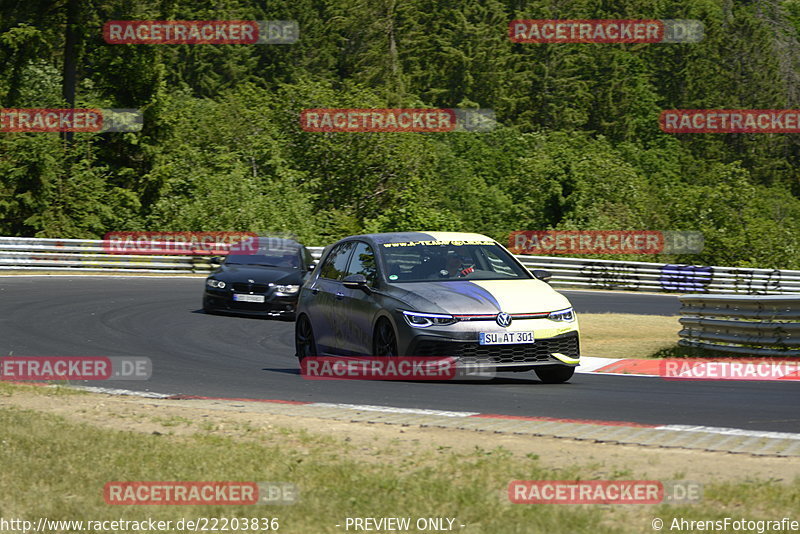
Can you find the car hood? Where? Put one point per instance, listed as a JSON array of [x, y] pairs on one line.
[[480, 296], [259, 273]]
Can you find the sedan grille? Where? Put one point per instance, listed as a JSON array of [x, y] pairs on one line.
[[247, 288], [522, 353]]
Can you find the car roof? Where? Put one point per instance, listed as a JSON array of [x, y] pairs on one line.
[[406, 237]]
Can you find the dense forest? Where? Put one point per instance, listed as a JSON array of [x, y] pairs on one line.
[[577, 146]]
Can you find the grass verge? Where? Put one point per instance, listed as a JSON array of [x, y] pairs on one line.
[[56, 468], [620, 335]]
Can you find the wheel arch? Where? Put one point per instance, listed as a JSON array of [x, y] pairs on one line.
[[383, 315]]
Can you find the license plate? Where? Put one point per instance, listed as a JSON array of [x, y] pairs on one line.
[[248, 298], [505, 338]]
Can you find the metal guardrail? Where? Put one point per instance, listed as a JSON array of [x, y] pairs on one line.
[[86, 255], [762, 325], [660, 277], [79, 255]]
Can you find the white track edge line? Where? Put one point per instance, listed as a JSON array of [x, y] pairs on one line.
[[391, 409], [125, 392], [731, 431], [603, 373]]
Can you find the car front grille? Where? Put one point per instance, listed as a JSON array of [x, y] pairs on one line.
[[241, 287], [566, 344]]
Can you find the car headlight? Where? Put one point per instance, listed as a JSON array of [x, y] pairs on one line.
[[566, 316], [217, 284], [424, 320], [287, 289]]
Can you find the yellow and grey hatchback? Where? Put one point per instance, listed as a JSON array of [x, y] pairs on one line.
[[442, 294]]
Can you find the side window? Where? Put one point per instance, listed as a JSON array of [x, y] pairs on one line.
[[495, 263], [363, 262], [336, 264]]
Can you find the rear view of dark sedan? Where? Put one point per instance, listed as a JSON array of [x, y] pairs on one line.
[[262, 280]]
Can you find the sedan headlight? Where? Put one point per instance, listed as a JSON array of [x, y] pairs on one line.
[[286, 290], [566, 315], [424, 320], [217, 284]]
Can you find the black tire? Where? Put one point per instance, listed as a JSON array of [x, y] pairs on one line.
[[554, 374], [206, 305], [384, 340], [304, 343]]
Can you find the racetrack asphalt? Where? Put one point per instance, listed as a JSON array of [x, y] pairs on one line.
[[239, 357]]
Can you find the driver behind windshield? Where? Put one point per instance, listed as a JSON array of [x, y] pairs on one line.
[[455, 266]]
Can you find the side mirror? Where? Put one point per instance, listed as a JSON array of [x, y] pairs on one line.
[[543, 275], [311, 266], [216, 259], [357, 281]]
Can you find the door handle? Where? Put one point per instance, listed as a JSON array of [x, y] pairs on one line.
[[339, 295]]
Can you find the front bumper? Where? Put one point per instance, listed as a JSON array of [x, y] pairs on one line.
[[555, 343], [524, 354], [273, 306]]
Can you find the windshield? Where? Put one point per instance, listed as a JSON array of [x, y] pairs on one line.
[[448, 260], [288, 259]]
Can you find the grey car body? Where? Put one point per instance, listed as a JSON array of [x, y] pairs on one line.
[[361, 300]]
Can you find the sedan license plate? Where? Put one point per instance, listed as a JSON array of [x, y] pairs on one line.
[[248, 298], [505, 338]]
